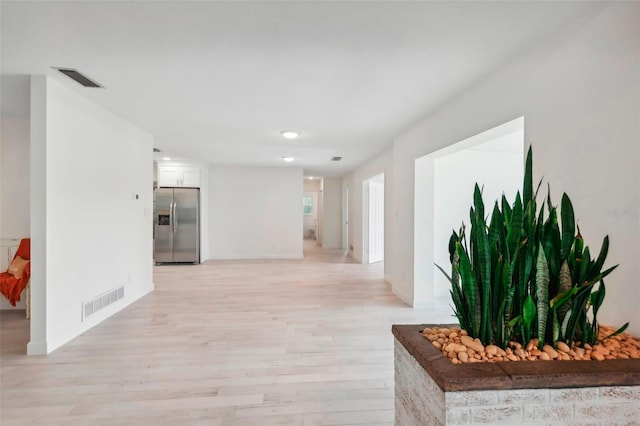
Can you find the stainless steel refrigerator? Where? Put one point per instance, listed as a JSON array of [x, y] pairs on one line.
[[177, 225]]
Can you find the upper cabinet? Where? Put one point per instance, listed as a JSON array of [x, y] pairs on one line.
[[178, 176]]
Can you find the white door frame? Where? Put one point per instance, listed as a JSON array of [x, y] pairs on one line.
[[345, 219], [366, 217]]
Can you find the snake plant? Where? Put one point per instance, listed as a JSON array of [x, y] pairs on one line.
[[521, 275]]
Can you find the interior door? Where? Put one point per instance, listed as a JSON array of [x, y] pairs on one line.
[[376, 221], [163, 242], [186, 243]]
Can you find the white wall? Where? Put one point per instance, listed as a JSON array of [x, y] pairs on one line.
[[89, 233], [255, 213], [14, 163], [381, 163], [312, 185], [579, 92], [332, 213], [15, 157], [496, 166]]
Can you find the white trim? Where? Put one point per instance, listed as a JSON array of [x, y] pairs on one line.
[[262, 256], [37, 348], [402, 295]]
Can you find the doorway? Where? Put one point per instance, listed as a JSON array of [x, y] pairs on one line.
[[345, 220], [444, 182], [311, 208], [373, 220]]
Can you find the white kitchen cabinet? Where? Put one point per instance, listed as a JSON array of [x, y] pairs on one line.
[[178, 176], [191, 177]]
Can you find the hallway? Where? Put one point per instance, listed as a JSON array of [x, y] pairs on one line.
[[264, 342]]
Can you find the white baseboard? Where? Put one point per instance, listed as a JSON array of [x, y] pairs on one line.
[[37, 348], [402, 295], [259, 257]]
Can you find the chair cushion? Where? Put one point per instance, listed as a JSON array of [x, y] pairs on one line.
[[11, 287], [17, 267]]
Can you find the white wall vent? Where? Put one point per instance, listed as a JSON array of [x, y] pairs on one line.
[[102, 301]]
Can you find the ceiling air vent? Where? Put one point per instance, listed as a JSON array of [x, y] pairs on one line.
[[76, 76], [336, 158], [156, 150]]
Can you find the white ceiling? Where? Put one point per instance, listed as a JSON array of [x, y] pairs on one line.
[[217, 81]]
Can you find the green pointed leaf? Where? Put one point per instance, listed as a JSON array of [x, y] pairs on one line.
[[538, 189], [542, 292], [561, 299], [452, 244], [515, 226], [565, 323], [596, 299], [506, 209], [575, 257], [470, 290], [500, 325], [618, 331], [482, 259], [444, 273], [495, 226], [455, 267], [515, 321], [585, 263], [597, 266], [478, 202], [599, 277], [568, 225], [528, 314], [555, 331], [564, 280], [527, 186]]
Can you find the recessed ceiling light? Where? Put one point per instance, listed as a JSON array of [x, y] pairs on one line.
[[310, 177], [166, 158], [288, 159], [290, 134]]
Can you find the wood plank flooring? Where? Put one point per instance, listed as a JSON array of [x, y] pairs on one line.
[[277, 342]]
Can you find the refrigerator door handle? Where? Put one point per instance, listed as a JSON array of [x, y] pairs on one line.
[[175, 217]]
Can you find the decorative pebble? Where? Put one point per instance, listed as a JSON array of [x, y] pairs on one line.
[[458, 346], [474, 344], [552, 352], [491, 349]]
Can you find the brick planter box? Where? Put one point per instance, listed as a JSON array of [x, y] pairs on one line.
[[430, 390]]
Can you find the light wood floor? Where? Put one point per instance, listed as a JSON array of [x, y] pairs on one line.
[[304, 342]]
